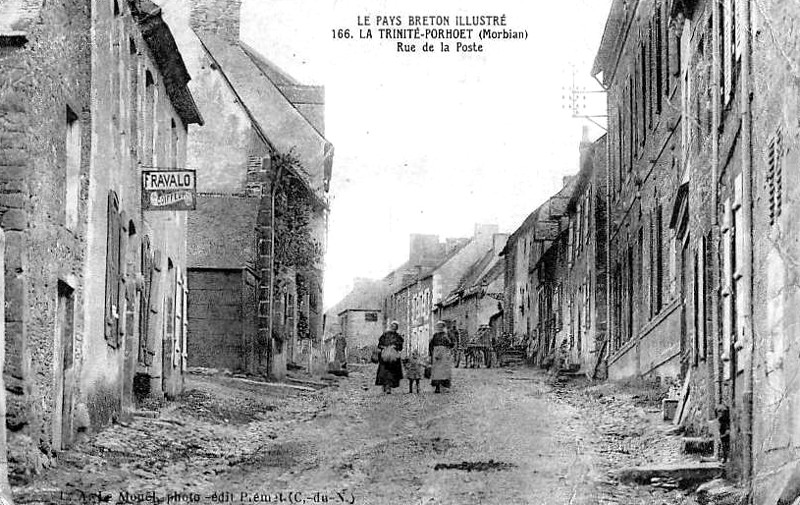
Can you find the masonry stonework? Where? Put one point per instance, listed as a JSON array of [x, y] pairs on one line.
[[44, 89]]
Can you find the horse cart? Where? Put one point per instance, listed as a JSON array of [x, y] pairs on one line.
[[475, 350]]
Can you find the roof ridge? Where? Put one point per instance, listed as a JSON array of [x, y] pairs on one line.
[[252, 53]]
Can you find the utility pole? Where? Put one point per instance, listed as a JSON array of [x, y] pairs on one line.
[[575, 98]]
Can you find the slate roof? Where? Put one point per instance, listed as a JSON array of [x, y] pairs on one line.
[[168, 58], [283, 127], [478, 275], [475, 271], [427, 271], [546, 217], [365, 296]]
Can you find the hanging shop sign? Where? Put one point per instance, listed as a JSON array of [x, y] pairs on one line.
[[169, 190]]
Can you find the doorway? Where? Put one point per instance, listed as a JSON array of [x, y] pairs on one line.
[[65, 331]]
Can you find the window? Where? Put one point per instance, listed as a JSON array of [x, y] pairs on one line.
[[733, 36], [620, 151], [631, 123], [696, 309], [148, 129], [121, 79], [667, 54], [659, 291], [371, 317], [116, 54], [642, 92], [173, 144], [649, 75], [73, 168], [658, 57], [133, 68]]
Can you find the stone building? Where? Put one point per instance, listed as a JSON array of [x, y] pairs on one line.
[[639, 62], [366, 294], [90, 312], [414, 301], [766, 149], [583, 271], [449, 272], [531, 288], [478, 295], [360, 328], [46, 119], [262, 155], [413, 278], [417, 321], [730, 216]]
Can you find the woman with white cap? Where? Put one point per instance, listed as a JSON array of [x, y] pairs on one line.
[[390, 369], [441, 359]]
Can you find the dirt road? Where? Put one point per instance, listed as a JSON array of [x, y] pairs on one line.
[[500, 436]]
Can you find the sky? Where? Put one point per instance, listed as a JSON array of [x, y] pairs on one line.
[[434, 142]]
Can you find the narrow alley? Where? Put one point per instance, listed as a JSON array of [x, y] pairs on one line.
[[502, 436]]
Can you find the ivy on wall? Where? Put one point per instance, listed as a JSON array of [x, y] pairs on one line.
[[295, 244]]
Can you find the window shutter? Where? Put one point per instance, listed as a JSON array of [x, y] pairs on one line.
[[154, 307], [112, 306], [178, 321], [122, 298], [774, 181], [184, 344], [144, 301]]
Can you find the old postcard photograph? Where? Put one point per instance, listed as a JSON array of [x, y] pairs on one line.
[[380, 252]]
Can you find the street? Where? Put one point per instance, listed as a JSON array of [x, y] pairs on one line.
[[500, 436]]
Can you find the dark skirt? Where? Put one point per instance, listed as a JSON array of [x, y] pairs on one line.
[[389, 373]]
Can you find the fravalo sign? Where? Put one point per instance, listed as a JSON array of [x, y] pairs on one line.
[[169, 190]]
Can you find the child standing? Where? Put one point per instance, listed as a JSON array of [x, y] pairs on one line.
[[413, 371]]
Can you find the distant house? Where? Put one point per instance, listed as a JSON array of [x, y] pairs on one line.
[[360, 328], [366, 295], [479, 294], [415, 292]]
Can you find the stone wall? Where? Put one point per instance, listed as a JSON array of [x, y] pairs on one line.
[[41, 78], [644, 173], [776, 287], [358, 331]]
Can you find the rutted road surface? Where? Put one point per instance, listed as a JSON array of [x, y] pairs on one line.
[[500, 436]]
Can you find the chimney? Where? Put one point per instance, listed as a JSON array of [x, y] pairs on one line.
[[499, 242], [220, 17], [423, 248], [484, 233]]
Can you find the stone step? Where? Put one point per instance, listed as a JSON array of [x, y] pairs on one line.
[[683, 475]]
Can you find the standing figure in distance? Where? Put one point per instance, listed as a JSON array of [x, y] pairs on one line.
[[413, 371], [390, 368], [439, 350]]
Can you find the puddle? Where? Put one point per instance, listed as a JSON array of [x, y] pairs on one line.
[[475, 466]]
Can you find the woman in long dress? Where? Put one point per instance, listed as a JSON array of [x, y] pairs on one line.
[[439, 350], [390, 368]]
